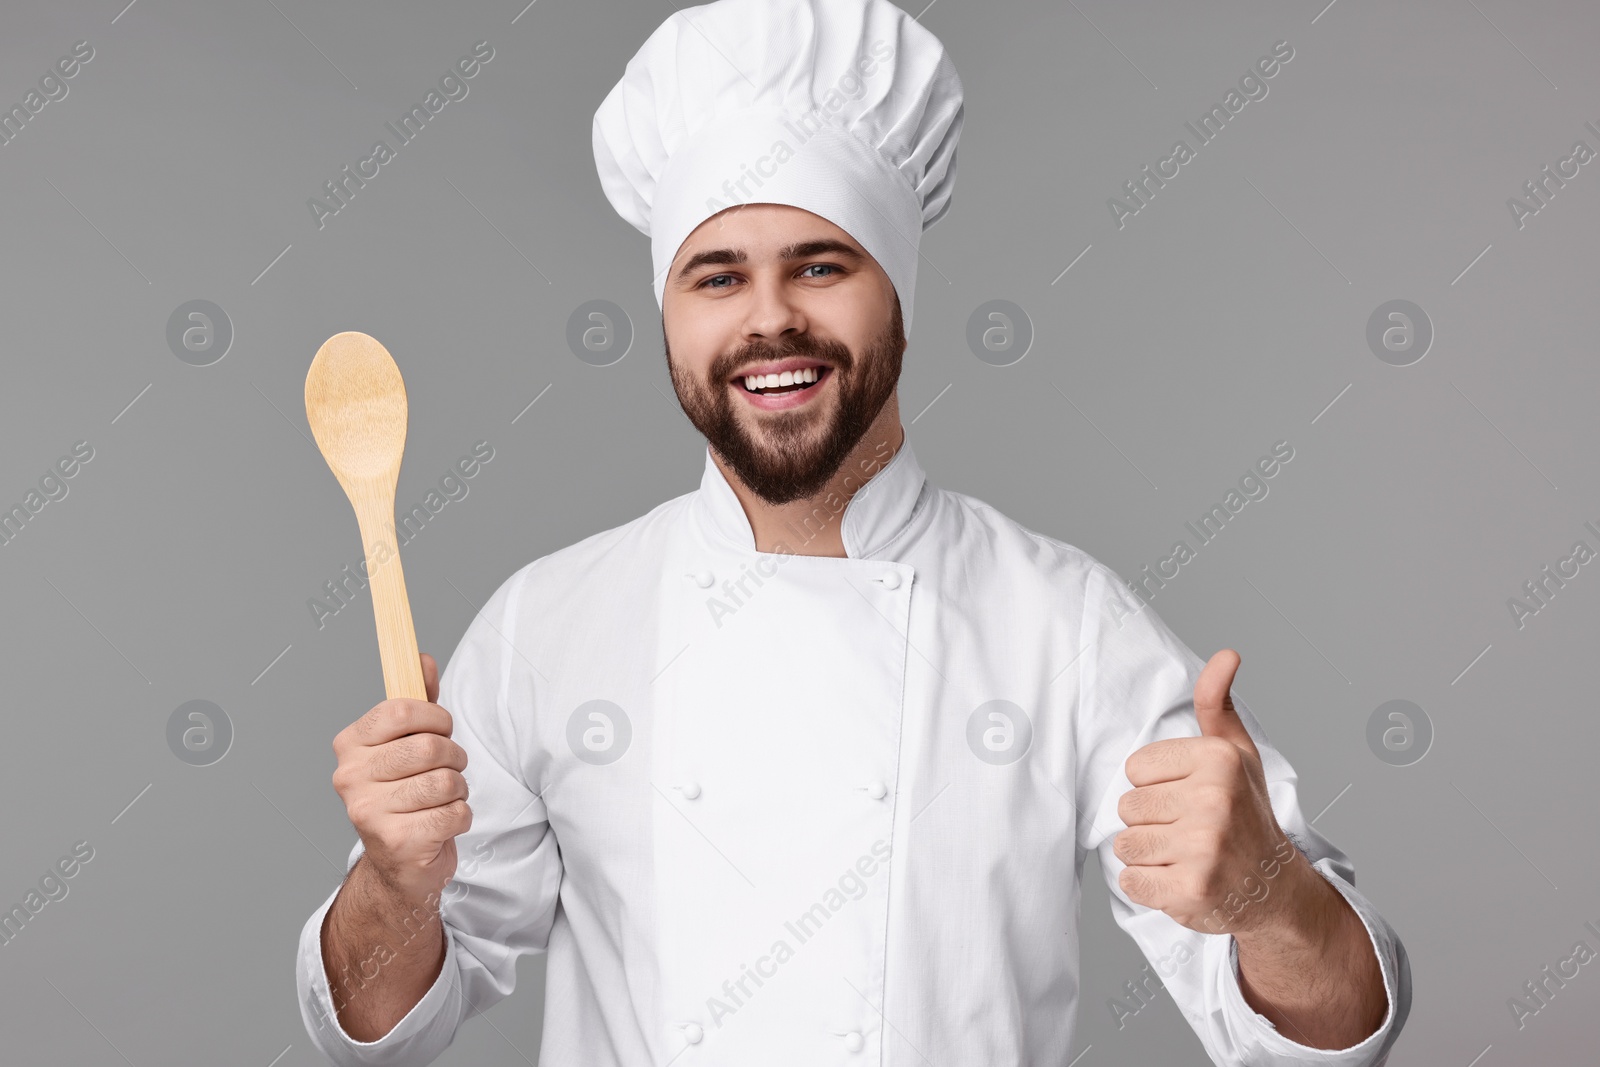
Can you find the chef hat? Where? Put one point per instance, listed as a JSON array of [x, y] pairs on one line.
[[849, 109]]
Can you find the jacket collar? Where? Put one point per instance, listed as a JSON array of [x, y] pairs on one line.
[[877, 512]]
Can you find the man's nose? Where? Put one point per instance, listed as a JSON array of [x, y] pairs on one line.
[[772, 314]]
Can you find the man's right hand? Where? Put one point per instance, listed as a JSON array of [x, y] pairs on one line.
[[399, 776]]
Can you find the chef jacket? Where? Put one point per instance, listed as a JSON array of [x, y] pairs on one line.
[[776, 808]]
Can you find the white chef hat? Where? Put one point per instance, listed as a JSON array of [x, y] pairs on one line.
[[849, 109]]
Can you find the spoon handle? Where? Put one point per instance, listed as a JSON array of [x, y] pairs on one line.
[[397, 637]]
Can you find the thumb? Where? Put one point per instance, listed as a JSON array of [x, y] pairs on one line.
[[430, 677], [1213, 702]]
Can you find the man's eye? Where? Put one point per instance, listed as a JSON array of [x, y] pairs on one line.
[[820, 266], [709, 282]]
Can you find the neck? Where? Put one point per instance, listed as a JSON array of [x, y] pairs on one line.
[[814, 526]]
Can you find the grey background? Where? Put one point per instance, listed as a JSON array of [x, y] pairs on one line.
[[1230, 313]]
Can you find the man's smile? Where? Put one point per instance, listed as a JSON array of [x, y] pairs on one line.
[[789, 388]]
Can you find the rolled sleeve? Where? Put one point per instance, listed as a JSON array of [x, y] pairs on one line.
[[417, 1038], [1263, 1044]]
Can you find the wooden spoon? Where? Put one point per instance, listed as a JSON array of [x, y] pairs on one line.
[[356, 404]]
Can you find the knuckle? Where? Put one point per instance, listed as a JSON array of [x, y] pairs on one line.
[[392, 713], [423, 749], [437, 787], [440, 750], [1224, 752], [442, 785], [359, 809]]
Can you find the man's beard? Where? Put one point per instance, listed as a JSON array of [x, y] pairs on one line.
[[797, 451]]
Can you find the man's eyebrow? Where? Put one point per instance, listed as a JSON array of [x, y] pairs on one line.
[[711, 256], [804, 249], [798, 250]]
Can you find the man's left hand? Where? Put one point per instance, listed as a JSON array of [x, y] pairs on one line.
[[1202, 842]]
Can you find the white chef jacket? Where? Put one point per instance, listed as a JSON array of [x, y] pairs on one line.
[[768, 808]]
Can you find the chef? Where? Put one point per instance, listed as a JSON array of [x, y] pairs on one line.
[[803, 767]]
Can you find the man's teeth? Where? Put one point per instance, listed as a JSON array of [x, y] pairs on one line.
[[753, 382]]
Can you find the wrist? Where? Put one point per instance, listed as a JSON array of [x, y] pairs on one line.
[[378, 892], [1310, 915]]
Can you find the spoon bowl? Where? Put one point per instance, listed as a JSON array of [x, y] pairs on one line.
[[356, 403]]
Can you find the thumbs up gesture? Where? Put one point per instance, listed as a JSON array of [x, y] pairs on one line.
[[1202, 842]]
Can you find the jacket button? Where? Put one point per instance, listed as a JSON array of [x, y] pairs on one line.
[[877, 790], [691, 790], [854, 1041], [692, 1033], [890, 580], [703, 579]]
